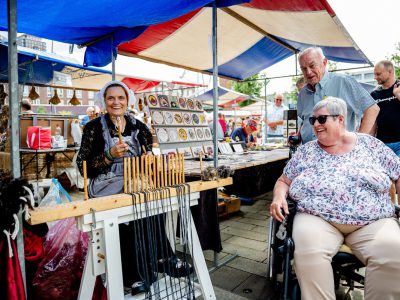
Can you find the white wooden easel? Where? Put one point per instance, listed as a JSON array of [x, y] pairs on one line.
[[104, 251]]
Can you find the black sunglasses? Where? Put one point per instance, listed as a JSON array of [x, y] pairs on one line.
[[321, 119]]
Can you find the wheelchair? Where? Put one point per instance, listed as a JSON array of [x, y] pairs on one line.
[[345, 265]]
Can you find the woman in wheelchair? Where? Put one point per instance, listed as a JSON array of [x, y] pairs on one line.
[[341, 184]]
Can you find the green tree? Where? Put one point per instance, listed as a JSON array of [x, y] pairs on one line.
[[395, 59], [250, 86]]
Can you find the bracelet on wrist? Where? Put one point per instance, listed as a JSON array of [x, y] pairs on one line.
[[109, 155]]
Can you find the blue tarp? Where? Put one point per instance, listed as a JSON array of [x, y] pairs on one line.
[[37, 67], [82, 21]]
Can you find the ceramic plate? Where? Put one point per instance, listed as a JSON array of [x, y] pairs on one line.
[[168, 117], [163, 100], [182, 102], [202, 119], [153, 100], [183, 134], [198, 104], [207, 133], [162, 135], [200, 133], [178, 118], [173, 134], [192, 135], [173, 102], [190, 104], [196, 120], [157, 117], [187, 118]]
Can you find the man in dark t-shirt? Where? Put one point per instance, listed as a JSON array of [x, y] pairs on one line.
[[387, 96]]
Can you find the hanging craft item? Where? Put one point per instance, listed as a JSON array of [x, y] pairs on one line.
[[183, 134], [158, 117], [168, 117], [199, 106], [173, 134], [55, 99], [178, 118], [162, 135], [173, 102], [163, 100], [153, 100], [190, 104], [145, 101], [3, 95], [33, 95], [207, 133], [182, 102], [187, 118], [74, 100], [200, 133], [192, 135], [196, 120]]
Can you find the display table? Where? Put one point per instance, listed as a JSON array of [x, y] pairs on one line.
[[50, 156], [255, 173]]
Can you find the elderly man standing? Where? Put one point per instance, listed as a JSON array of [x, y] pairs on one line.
[[275, 117], [321, 84], [89, 115], [387, 96]]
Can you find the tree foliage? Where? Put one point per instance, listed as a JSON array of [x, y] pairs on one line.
[[250, 86], [395, 59]]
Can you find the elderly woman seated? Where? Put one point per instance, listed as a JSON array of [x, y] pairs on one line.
[[341, 183]]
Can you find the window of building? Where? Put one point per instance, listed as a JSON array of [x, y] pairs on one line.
[[60, 92], [91, 103], [49, 92], [368, 76], [26, 91], [356, 76], [70, 93], [78, 94], [90, 94], [37, 101]]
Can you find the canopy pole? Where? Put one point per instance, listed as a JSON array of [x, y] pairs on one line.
[[112, 58], [14, 116], [215, 81], [295, 62], [265, 111]]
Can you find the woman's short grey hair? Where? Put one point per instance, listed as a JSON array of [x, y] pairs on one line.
[[334, 106]]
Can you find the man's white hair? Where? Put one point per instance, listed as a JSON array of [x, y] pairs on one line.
[[313, 49]]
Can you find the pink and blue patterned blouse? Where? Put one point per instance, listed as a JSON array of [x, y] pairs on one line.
[[352, 188]]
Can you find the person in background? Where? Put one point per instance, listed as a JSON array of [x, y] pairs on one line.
[[387, 96], [26, 107], [275, 117], [97, 112], [341, 183], [244, 133], [89, 115], [300, 83], [222, 122], [220, 132], [321, 84]]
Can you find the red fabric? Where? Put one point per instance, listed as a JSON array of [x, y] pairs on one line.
[[33, 246], [138, 85], [292, 5], [155, 34], [11, 284]]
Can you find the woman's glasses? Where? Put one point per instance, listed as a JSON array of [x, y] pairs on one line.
[[321, 119]]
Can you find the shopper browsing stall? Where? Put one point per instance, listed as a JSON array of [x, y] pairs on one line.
[[244, 133]]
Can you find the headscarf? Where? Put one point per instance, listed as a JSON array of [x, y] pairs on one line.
[[99, 96], [252, 124]]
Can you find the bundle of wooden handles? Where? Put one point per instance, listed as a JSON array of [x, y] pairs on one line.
[[148, 172]]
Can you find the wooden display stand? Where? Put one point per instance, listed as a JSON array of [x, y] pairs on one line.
[[101, 216]]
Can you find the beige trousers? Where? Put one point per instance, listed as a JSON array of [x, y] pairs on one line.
[[377, 245]]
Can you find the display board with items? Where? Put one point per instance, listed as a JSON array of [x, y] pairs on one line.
[[179, 124], [290, 125]]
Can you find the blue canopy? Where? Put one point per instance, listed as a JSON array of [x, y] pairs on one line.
[[252, 34], [37, 67]]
